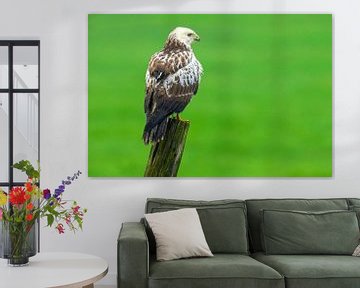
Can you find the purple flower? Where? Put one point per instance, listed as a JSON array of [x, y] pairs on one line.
[[46, 194], [58, 192], [64, 183]]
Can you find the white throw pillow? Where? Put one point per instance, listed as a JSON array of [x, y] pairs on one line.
[[178, 234], [357, 251]]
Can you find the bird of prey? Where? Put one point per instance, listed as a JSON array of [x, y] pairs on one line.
[[172, 78]]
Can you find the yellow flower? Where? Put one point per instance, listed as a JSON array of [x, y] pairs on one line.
[[3, 198]]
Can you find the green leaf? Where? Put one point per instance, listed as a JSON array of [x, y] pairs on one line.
[[50, 219], [21, 165], [79, 221], [28, 168], [53, 211]]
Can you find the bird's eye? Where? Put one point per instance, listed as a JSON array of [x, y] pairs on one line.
[[189, 35]]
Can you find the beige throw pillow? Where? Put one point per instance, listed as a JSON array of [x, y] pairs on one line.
[[178, 234], [357, 251]]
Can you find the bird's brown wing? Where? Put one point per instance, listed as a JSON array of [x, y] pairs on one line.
[[170, 84]]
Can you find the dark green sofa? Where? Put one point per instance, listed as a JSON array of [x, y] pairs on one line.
[[232, 230]]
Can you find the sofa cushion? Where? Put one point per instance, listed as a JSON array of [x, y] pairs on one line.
[[254, 206], [356, 209], [178, 234], [222, 270], [297, 232], [223, 221], [353, 201], [354, 205], [313, 271]]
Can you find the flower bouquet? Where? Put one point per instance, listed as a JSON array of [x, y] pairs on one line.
[[21, 208]]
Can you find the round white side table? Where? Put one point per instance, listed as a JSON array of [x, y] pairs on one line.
[[50, 270]]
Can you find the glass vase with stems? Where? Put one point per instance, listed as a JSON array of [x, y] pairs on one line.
[[19, 242]]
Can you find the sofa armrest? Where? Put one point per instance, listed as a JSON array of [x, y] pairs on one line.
[[133, 256]]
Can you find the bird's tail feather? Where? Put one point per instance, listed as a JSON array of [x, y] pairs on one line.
[[156, 133]]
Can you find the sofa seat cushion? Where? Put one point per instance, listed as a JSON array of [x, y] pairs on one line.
[[222, 270], [313, 271]]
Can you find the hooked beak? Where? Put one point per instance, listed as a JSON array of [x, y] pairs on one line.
[[197, 38]]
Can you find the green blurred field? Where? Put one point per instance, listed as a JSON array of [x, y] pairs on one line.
[[264, 107]]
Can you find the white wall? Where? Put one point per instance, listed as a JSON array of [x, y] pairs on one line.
[[61, 26]]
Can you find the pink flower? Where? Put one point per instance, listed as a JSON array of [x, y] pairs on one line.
[[76, 210], [68, 219], [1, 213], [60, 228]]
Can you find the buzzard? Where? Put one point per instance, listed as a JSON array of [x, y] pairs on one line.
[[172, 78]]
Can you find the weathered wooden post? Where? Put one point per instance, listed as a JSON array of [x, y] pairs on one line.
[[165, 156]]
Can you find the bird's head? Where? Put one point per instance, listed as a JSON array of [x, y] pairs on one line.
[[184, 35]]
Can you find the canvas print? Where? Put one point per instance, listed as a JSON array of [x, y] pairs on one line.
[[210, 95]]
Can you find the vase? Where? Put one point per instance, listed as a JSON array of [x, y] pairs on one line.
[[18, 242]]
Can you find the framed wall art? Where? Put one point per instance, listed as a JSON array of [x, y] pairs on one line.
[[256, 91]]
